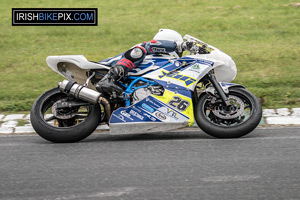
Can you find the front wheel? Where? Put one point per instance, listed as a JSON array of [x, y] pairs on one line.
[[70, 124], [236, 120]]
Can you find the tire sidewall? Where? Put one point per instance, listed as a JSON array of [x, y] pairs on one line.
[[62, 134]]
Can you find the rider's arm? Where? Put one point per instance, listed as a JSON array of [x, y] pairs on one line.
[[160, 46], [135, 56]]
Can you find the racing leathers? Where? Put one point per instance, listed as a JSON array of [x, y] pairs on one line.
[[123, 63]]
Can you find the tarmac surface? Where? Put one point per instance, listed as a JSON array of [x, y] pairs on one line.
[[183, 164]]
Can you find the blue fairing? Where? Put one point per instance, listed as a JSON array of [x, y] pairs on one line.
[[157, 62], [139, 112]]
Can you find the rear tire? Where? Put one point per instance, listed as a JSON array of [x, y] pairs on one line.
[[67, 130], [213, 120]]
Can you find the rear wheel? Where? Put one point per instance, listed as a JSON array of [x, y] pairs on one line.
[[236, 120], [63, 125]]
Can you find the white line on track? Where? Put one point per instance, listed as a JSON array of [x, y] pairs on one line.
[[117, 193]]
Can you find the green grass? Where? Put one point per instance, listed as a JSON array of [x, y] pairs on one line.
[[22, 122], [263, 37]]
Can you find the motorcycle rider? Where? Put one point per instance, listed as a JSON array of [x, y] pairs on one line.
[[164, 42]]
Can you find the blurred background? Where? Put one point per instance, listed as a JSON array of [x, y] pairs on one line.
[[263, 37]]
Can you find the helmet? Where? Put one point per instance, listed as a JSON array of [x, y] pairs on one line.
[[168, 34]]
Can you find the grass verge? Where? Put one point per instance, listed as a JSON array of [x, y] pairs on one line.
[[263, 37]]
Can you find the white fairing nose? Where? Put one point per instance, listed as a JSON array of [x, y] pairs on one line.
[[226, 72]]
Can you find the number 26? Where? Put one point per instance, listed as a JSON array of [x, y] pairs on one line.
[[178, 103]]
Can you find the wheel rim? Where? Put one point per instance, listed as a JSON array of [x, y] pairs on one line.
[[62, 118], [238, 112]]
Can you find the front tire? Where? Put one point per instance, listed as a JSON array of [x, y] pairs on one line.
[[235, 121], [73, 128]]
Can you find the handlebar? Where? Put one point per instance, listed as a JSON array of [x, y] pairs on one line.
[[196, 46]]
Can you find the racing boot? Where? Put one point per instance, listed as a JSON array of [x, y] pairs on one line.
[[108, 83]]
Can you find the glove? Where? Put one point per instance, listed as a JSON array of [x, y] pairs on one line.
[[187, 45], [193, 47], [117, 72]]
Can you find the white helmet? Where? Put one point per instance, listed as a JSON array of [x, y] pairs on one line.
[[168, 34]]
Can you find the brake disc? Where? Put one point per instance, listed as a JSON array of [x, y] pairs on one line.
[[234, 110], [62, 113]]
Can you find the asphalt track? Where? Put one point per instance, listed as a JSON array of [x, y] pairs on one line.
[[184, 164]]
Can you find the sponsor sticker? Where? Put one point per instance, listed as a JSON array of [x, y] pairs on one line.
[[160, 115], [147, 107], [158, 50], [196, 67], [171, 113], [133, 113], [150, 117], [152, 102], [124, 113]]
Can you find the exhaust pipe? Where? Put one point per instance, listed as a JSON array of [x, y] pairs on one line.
[[85, 94]]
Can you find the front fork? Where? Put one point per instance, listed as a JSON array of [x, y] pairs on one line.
[[218, 88]]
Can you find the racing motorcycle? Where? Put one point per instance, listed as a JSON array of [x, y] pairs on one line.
[[165, 92]]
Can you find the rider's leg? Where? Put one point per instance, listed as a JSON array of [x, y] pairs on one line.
[[108, 82], [131, 58]]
